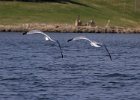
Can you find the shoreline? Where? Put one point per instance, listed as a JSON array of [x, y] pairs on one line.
[[66, 28]]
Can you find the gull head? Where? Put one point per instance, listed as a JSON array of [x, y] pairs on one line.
[[24, 33], [69, 40]]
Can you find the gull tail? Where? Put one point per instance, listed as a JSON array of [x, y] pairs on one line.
[[60, 48], [69, 40], [108, 52]]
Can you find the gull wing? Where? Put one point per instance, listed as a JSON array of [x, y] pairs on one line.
[[39, 32], [79, 38], [108, 52], [60, 48]]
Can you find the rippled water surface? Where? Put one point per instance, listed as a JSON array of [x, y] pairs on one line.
[[32, 68]]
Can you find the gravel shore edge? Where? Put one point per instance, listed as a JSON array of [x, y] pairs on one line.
[[66, 28]]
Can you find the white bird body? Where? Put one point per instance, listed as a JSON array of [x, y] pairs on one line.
[[92, 43], [47, 38]]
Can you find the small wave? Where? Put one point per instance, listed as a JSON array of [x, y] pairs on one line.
[[72, 49], [84, 83], [116, 75], [19, 58], [4, 53], [11, 78]]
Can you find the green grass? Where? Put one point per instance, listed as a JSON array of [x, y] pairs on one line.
[[120, 13]]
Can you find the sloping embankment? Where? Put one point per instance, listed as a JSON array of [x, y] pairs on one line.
[[64, 28]]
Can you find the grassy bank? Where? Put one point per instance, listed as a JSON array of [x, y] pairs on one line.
[[119, 12]]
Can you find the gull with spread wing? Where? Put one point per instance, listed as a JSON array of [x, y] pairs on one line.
[[92, 43], [47, 38]]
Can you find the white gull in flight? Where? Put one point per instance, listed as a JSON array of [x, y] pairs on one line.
[[47, 38], [92, 43]]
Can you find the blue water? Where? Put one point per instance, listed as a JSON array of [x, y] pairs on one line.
[[32, 68]]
